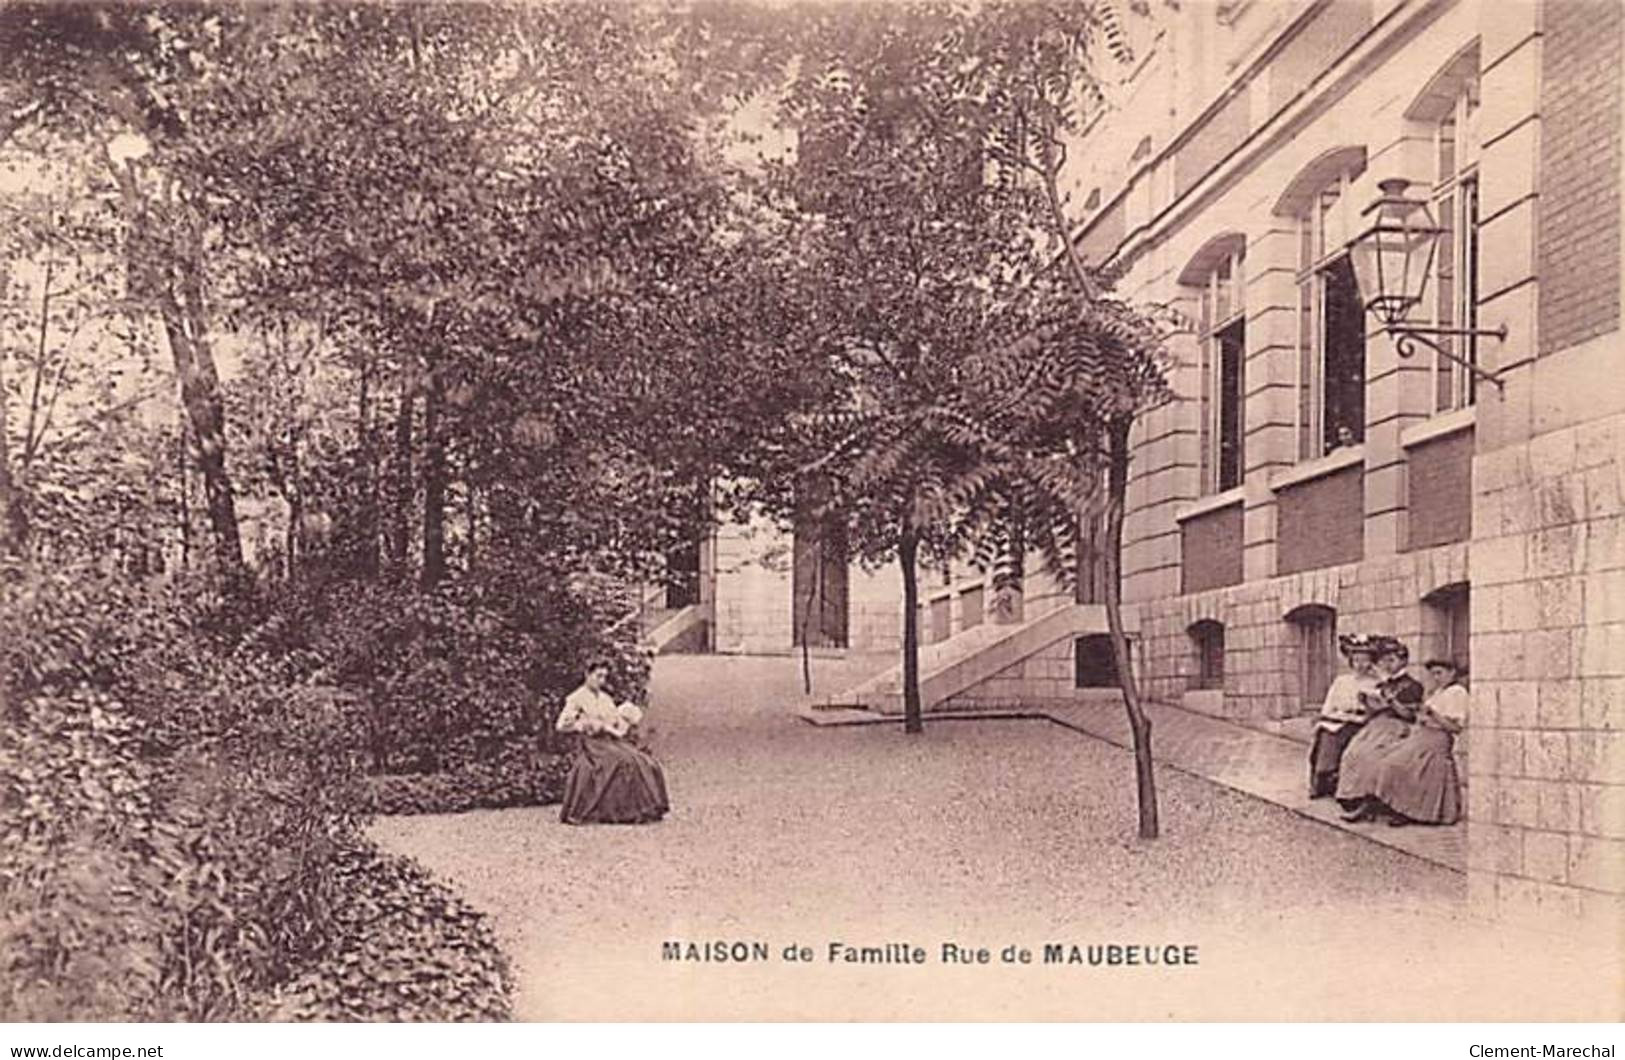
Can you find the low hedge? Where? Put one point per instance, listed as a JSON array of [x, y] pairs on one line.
[[518, 779], [407, 949]]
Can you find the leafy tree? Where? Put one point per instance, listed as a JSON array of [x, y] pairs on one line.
[[1036, 60], [969, 383]]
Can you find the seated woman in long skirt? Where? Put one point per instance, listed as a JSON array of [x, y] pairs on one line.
[[612, 780], [1392, 712], [1418, 781], [1342, 714]]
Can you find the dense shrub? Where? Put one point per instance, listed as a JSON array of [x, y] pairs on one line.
[[515, 779], [183, 778], [170, 812], [461, 676], [406, 949]]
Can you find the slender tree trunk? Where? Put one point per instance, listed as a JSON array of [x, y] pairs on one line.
[[471, 508], [434, 486], [181, 453], [1139, 724], [908, 553], [367, 533], [1117, 501], [200, 394], [403, 478], [13, 511], [296, 509], [290, 537], [13, 517], [806, 620], [176, 288]]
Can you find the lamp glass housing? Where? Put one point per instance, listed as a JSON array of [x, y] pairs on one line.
[[1393, 256]]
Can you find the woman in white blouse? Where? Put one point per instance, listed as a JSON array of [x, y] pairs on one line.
[[1417, 781], [1343, 713], [612, 780]]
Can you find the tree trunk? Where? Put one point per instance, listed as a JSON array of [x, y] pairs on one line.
[[806, 619], [181, 453], [403, 477], [200, 394], [1139, 724], [290, 541], [471, 508], [174, 283], [1117, 500], [434, 486], [13, 516], [908, 552], [367, 532]]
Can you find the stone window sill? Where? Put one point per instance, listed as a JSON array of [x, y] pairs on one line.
[[1211, 503], [1320, 467], [1439, 426]]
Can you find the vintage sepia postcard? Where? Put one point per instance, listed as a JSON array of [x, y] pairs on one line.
[[931, 510]]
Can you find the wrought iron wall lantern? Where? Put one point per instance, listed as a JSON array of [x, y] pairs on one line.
[[1393, 259]]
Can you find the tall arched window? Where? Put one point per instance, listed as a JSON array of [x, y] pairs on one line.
[[1224, 357], [1331, 322], [1215, 280], [1455, 206]]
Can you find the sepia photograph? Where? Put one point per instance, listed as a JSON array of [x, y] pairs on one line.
[[862, 511]]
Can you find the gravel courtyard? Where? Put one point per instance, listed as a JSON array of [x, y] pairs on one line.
[[982, 834]]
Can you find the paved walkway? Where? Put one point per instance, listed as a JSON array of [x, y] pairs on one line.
[[1002, 833], [1257, 763]]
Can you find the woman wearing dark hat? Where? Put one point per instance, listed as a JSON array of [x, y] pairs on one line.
[[1417, 779], [1343, 713], [1392, 711]]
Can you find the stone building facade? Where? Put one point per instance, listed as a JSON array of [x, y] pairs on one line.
[[1309, 479]]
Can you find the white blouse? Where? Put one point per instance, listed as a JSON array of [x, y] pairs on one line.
[[1343, 700], [1450, 702], [586, 711]]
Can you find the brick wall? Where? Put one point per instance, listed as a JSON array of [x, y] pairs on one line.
[[1320, 522], [1210, 550], [1440, 490], [1580, 162], [1547, 729]]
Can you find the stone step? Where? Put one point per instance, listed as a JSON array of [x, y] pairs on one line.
[[961, 663]]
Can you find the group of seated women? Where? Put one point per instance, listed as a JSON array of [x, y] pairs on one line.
[[1385, 741]]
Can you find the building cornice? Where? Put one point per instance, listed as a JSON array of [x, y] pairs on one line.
[[1394, 29]]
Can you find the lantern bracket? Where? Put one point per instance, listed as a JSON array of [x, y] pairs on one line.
[[1407, 337], [1393, 260]]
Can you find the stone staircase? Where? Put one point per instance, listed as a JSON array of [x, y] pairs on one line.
[[950, 667], [673, 630]]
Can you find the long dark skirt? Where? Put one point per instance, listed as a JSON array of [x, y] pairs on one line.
[[1418, 777], [1363, 758], [1326, 755], [613, 782]]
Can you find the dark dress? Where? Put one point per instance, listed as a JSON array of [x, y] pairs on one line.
[[1364, 755], [1362, 758], [1418, 777], [612, 781]]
